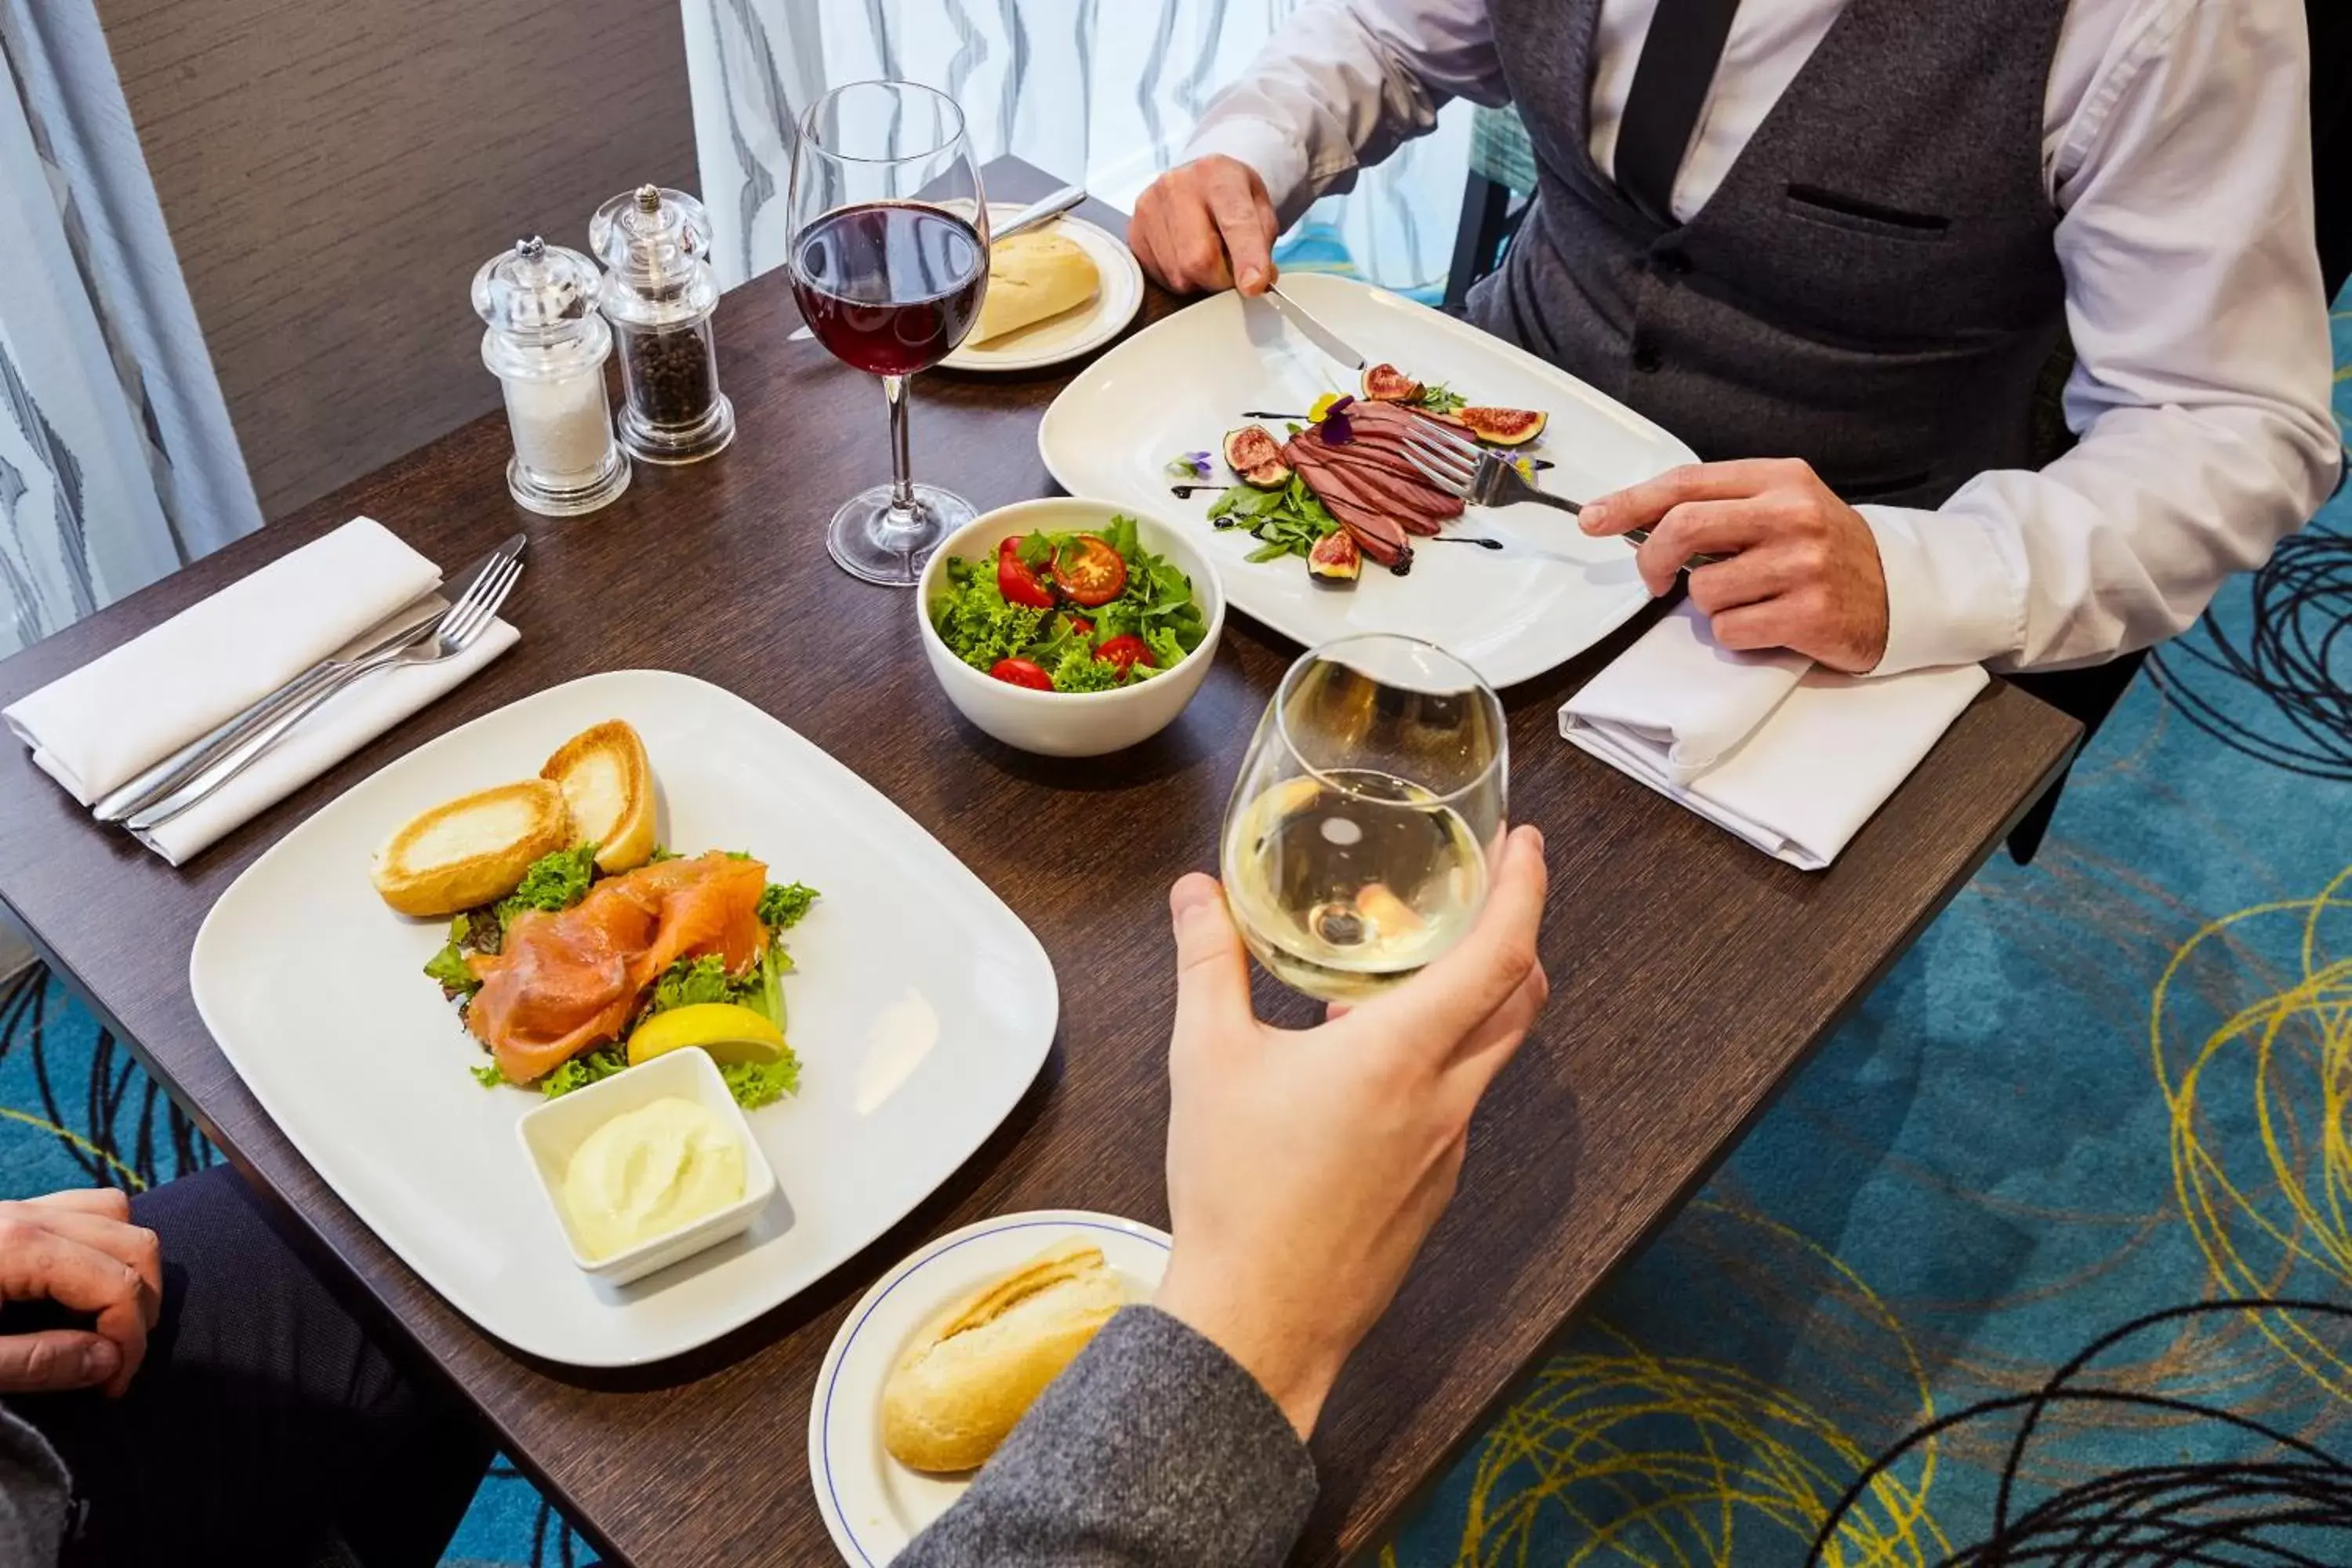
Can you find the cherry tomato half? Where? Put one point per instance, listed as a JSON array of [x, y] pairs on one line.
[[1089, 571], [1017, 582], [1127, 652], [1021, 672], [1079, 624]]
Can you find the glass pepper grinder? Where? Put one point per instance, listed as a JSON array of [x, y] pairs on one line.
[[547, 345], [659, 294]]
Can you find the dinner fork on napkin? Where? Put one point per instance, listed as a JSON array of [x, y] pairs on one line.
[[97, 727], [1791, 757]]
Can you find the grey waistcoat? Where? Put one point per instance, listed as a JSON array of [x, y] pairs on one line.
[[1874, 287]]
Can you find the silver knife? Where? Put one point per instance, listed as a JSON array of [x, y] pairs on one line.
[[1314, 332], [405, 625], [1030, 217]]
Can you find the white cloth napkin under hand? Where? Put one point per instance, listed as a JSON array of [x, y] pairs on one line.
[[100, 726], [1791, 758]]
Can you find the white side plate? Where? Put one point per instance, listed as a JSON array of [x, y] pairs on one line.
[[873, 1504], [1181, 384], [1075, 331], [922, 1010]]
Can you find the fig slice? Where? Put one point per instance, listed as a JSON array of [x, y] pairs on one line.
[[1336, 558], [1503, 426], [1254, 454], [1386, 383]]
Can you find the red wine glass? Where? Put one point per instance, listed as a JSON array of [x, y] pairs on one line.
[[889, 260]]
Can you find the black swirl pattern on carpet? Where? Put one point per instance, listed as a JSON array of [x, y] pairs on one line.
[[2292, 647], [2288, 1505]]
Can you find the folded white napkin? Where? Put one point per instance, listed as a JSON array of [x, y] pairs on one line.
[[341, 725], [100, 726], [1791, 758]]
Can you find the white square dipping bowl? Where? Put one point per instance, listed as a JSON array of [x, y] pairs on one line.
[[552, 1133]]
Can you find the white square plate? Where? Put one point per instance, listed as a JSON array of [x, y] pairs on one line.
[[1181, 384], [921, 1010]]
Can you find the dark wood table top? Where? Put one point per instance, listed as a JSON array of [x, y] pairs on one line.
[[1691, 974]]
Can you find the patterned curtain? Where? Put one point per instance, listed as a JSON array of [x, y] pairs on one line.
[[1102, 90], [117, 460]]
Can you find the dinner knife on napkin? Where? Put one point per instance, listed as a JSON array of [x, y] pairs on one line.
[[405, 625]]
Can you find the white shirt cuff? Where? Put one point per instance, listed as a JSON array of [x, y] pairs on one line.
[[1953, 596], [1274, 153]]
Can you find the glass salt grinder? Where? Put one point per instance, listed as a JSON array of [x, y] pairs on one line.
[[659, 294], [547, 345]]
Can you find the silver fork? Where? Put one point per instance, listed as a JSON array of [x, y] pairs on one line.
[[1481, 475], [458, 630]]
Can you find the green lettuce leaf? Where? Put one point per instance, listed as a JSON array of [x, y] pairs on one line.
[[582, 1070], [783, 904], [555, 881], [449, 967]]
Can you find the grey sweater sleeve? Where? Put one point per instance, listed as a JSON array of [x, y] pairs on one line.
[[1153, 1450], [34, 1496]]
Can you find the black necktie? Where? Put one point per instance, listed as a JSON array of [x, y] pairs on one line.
[[1678, 62]]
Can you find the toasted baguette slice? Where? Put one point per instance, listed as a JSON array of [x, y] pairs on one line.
[[609, 788], [473, 849], [957, 1392]]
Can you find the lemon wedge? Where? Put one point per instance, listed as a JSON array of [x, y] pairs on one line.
[[730, 1032]]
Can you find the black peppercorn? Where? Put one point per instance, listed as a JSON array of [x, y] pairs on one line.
[[669, 374]]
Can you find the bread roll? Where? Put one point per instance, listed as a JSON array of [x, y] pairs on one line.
[[608, 787], [473, 849], [1033, 276], [961, 1386]]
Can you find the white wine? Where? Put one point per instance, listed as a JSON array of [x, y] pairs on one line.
[[1343, 889]]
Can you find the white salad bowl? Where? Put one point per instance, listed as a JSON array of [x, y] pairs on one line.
[[1070, 723]]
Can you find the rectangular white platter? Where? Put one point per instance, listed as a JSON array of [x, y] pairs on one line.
[[1180, 385], [921, 1010]]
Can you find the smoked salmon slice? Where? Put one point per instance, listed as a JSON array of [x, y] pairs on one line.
[[567, 982]]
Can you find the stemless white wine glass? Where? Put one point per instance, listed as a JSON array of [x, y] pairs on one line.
[[1369, 809], [889, 261]]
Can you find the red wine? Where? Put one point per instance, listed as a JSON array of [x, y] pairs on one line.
[[888, 287]]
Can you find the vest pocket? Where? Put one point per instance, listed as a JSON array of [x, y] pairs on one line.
[[1857, 214]]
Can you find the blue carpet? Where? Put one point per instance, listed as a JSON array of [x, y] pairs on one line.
[[2110, 1086]]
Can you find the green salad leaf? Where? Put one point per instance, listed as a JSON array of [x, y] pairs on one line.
[[755, 1084], [449, 967], [487, 1075], [582, 1070], [783, 904], [555, 881], [1286, 521], [973, 619], [976, 622], [1439, 399], [690, 982]]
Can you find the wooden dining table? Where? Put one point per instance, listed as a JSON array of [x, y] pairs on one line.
[[1692, 975]]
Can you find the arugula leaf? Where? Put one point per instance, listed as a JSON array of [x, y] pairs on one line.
[[661, 854], [450, 966], [582, 1070], [783, 904], [1440, 399], [487, 1075], [555, 881]]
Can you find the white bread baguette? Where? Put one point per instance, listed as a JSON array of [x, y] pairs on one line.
[[608, 787], [1033, 276], [471, 850], [959, 1389]]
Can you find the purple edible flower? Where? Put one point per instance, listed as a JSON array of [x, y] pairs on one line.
[[1337, 430], [1194, 465]]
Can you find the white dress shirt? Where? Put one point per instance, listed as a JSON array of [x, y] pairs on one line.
[[2177, 145]]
